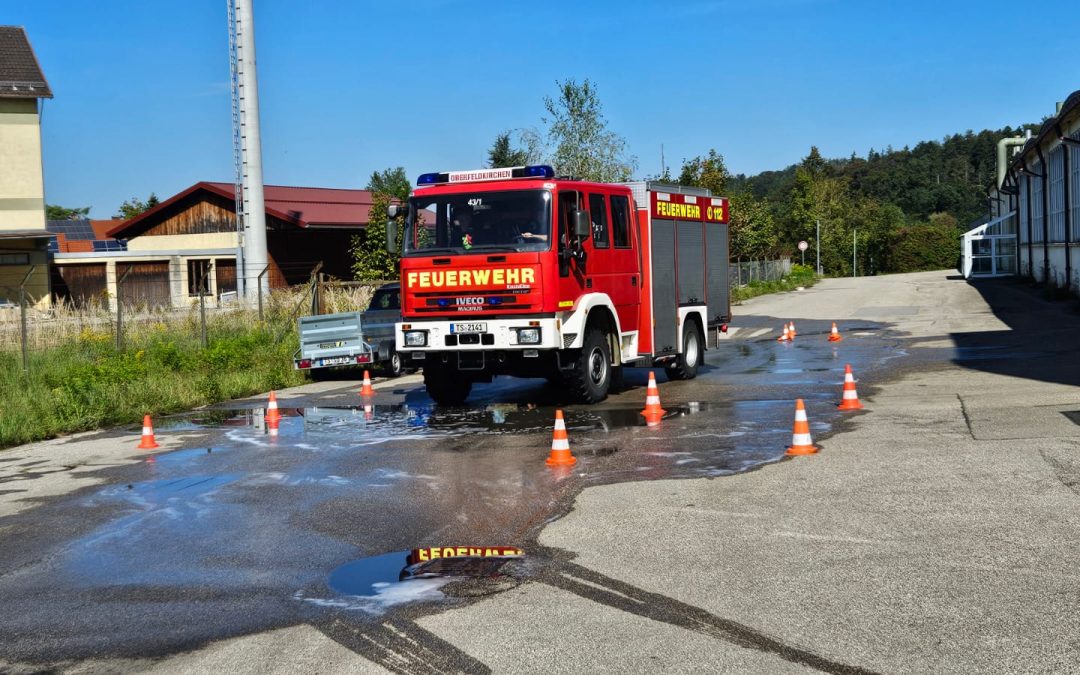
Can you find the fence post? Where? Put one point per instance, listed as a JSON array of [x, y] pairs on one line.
[[202, 306], [22, 319], [120, 309], [258, 284]]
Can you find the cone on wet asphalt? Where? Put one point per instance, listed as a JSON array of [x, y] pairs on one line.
[[801, 443], [272, 412], [369, 412], [147, 442], [791, 330], [366, 389], [272, 426], [652, 413], [560, 444], [786, 336], [850, 400], [835, 336]]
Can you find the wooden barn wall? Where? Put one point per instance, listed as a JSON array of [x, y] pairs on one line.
[[82, 285], [200, 213], [146, 284], [294, 253]]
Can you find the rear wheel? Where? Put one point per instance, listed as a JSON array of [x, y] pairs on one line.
[[590, 378], [445, 385], [686, 364]]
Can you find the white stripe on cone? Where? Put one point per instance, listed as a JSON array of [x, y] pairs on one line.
[[560, 444], [850, 394], [801, 439], [800, 415], [147, 431], [649, 400], [559, 424]]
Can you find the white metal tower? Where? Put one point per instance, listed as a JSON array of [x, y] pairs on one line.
[[252, 257]]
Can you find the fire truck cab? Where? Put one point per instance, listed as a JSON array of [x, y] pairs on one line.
[[517, 272]]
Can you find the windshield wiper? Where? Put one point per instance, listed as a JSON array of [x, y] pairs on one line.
[[495, 247], [431, 251]]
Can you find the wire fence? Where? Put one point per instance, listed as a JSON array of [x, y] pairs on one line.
[[744, 272], [139, 301], [168, 299]]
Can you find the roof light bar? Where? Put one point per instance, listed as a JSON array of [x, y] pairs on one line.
[[476, 175]]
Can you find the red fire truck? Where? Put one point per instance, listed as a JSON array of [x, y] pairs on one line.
[[518, 272]]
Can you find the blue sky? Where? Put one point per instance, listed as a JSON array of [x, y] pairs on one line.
[[349, 87]]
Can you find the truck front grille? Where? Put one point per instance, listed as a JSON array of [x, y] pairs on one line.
[[568, 339]]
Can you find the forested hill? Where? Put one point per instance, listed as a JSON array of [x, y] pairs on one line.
[[949, 176]]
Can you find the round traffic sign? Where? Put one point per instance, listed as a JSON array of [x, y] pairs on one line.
[[803, 246]]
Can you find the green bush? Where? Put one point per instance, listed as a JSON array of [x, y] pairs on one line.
[[800, 275], [923, 246]]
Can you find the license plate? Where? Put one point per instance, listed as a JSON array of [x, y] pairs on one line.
[[338, 360], [475, 327]]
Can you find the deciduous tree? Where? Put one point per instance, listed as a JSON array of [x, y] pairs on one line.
[[583, 145]]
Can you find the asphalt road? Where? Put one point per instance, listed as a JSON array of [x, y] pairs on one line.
[[936, 531]]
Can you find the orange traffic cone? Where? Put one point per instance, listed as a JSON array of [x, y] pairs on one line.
[[834, 336], [801, 443], [850, 400], [653, 413], [786, 337], [366, 389], [560, 444], [147, 442], [369, 412], [272, 412], [791, 330]]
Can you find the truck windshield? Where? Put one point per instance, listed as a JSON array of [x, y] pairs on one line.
[[511, 220]]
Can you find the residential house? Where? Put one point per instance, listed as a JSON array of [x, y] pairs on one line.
[[23, 237]]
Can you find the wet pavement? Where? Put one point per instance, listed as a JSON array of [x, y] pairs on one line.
[[249, 532]]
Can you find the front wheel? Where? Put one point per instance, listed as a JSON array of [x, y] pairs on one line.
[[686, 364], [393, 366], [446, 386], [590, 378]]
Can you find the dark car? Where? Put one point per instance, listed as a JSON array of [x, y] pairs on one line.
[[378, 326]]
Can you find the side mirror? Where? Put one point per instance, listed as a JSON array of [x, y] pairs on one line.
[[581, 223], [391, 236], [395, 210]]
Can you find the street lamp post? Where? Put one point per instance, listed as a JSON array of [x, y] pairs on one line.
[[818, 239]]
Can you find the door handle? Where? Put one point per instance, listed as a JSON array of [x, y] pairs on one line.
[[633, 281]]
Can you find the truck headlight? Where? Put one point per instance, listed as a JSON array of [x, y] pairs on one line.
[[528, 336], [416, 338]]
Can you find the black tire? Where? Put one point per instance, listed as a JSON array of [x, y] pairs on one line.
[[446, 386], [590, 378], [394, 365], [693, 349]]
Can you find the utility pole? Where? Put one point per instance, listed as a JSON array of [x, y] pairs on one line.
[[853, 231], [251, 206], [818, 240]]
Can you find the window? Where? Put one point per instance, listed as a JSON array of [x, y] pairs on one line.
[[14, 258], [198, 276], [480, 221], [598, 216], [620, 220], [385, 298]]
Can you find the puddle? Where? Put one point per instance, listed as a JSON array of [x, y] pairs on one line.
[[367, 576]]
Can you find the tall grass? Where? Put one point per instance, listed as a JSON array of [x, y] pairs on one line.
[[79, 381]]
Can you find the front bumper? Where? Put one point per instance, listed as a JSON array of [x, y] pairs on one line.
[[499, 334]]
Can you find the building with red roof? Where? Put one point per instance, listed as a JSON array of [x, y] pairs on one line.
[[189, 241]]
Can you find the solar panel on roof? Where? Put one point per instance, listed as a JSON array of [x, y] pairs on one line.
[[110, 245], [72, 229], [54, 247]]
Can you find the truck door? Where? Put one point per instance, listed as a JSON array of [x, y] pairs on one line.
[[612, 261]]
